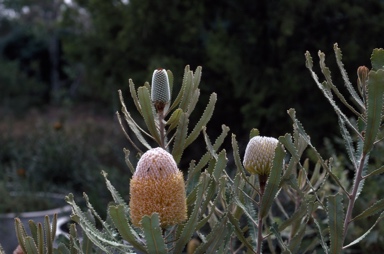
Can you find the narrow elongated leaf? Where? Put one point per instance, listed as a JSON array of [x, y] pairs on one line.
[[188, 92], [21, 234], [189, 226], [203, 120], [300, 130], [132, 90], [180, 94], [366, 233], [34, 231], [376, 172], [377, 59], [375, 105], [30, 245], [170, 79], [276, 233], [377, 207], [40, 239], [253, 133], [48, 235], [287, 142], [295, 242], [214, 239], [239, 233], [322, 240], [193, 101], [335, 221], [126, 231], [327, 75], [273, 182], [348, 143], [148, 112], [153, 236], [180, 136], [173, 120], [344, 74], [327, 94], [220, 165]]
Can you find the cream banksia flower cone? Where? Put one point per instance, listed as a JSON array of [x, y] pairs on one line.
[[158, 186], [259, 154]]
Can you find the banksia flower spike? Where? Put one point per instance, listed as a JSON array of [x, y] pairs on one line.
[[160, 91], [158, 186], [259, 154]]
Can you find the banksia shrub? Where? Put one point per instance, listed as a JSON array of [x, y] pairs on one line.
[[158, 186], [259, 155]]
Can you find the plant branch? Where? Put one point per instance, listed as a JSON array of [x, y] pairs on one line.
[[352, 196]]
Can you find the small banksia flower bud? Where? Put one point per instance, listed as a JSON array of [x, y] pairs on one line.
[[160, 91], [158, 186], [362, 77], [259, 154]]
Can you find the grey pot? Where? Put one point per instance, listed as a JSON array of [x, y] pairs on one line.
[[8, 238]]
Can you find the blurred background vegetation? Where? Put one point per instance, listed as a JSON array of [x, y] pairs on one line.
[[62, 61]]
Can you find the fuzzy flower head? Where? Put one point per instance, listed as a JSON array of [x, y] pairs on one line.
[[259, 154], [158, 186]]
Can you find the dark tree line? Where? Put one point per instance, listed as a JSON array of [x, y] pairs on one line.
[[252, 52]]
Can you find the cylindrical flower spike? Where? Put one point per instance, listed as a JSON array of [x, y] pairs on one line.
[[160, 91], [158, 186], [259, 154]]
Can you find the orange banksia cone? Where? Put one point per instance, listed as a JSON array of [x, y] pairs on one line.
[[158, 186]]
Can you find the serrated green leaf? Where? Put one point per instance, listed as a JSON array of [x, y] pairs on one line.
[[132, 90], [295, 242], [115, 194], [253, 133], [297, 216], [287, 142], [335, 222], [21, 234], [40, 239], [48, 234], [275, 231], [203, 120], [366, 233], [189, 226], [236, 156], [153, 235], [180, 137], [327, 75], [62, 249], [173, 120], [348, 143], [322, 240], [372, 210], [170, 79], [180, 94], [377, 59], [375, 105], [273, 182], [220, 165], [298, 128], [33, 229], [193, 101], [214, 239], [30, 245], [376, 172], [344, 74], [187, 92], [132, 125], [148, 112], [126, 231], [239, 233]]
